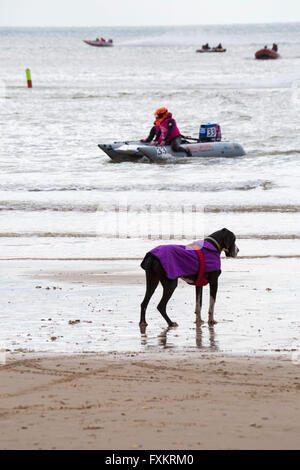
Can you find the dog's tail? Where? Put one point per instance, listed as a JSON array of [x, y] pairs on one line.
[[146, 264]]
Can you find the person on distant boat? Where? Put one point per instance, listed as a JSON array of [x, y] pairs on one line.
[[167, 132], [110, 41], [266, 47], [103, 40], [206, 46], [274, 47], [219, 46]]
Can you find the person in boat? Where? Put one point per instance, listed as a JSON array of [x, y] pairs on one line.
[[274, 47], [206, 46], [219, 46], [167, 132], [110, 41]]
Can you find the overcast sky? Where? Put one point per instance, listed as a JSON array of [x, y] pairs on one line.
[[141, 12]]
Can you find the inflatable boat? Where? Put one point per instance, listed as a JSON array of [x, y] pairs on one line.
[[140, 151], [213, 49], [265, 53], [99, 42]]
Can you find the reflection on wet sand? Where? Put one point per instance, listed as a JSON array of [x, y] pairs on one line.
[[200, 338], [213, 345], [163, 337]]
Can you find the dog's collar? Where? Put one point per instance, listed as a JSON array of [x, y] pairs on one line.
[[215, 242]]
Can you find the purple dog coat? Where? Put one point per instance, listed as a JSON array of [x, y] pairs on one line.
[[182, 260]]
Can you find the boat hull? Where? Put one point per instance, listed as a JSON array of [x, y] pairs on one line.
[[214, 49], [265, 54], [137, 151], [98, 43]]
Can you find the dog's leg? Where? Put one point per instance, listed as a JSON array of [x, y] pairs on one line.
[[213, 287], [169, 286], [152, 280], [199, 292]]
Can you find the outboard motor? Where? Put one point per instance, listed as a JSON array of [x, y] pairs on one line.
[[210, 133]]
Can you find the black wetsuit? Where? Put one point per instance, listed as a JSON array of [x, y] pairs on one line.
[[151, 135]]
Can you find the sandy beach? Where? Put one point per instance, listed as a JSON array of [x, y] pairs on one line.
[[133, 401]]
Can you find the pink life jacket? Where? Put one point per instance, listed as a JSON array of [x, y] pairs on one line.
[[163, 126]]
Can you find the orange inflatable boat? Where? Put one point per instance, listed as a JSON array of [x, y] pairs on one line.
[[266, 53]]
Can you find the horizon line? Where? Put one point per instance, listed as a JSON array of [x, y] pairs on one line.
[[150, 25]]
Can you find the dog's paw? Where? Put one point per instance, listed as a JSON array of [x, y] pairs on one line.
[[199, 320], [143, 326]]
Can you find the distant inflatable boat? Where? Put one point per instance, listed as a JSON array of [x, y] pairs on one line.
[[213, 49], [135, 151], [265, 53], [99, 42]]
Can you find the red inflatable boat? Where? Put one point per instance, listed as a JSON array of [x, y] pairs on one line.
[[266, 53]]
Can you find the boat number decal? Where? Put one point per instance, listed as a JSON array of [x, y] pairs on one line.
[[211, 132], [161, 151]]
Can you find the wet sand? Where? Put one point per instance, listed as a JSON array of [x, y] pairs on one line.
[[140, 402], [75, 306]]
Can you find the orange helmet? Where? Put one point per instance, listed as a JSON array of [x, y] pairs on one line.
[[161, 114]]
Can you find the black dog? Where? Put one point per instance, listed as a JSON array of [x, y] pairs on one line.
[[221, 240]]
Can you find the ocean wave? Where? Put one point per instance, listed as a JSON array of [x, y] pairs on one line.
[[38, 234], [187, 236], [175, 187], [87, 96], [262, 153], [281, 208], [140, 207]]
